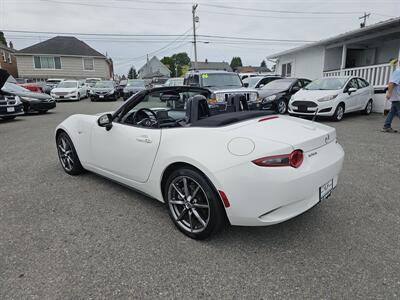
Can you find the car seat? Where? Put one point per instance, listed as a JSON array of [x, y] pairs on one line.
[[197, 109], [237, 103]]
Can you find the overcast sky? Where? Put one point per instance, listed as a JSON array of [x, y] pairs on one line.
[[245, 19]]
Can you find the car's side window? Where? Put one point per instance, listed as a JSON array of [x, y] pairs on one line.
[[352, 84], [361, 83], [305, 82]]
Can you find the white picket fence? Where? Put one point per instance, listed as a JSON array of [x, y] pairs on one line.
[[376, 75]]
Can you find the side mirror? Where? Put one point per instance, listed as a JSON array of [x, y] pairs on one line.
[[261, 85], [295, 89], [246, 84], [351, 90], [105, 121]]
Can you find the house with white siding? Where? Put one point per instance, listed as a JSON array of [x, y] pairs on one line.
[[364, 52], [63, 57], [153, 68]]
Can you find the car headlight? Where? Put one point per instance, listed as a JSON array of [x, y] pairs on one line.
[[253, 97], [125, 90], [220, 97], [111, 92], [327, 98], [72, 93], [270, 98], [27, 98], [17, 100]]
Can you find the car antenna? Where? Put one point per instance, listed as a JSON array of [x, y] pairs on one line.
[[315, 115]]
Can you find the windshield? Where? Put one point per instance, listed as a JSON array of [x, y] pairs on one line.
[[327, 84], [220, 80], [136, 83], [252, 81], [68, 84], [174, 82], [12, 88], [104, 84], [279, 84]]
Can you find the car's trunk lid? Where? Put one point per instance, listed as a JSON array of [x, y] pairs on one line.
[[299, 133]]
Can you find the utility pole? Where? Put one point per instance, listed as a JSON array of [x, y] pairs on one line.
[[195, 20], [364, 22]]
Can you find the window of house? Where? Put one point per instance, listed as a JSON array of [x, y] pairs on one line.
[[287, 70], [4, 55], [47, 62], [88, 64], [9, 58]]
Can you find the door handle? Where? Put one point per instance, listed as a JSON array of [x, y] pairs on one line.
[[144, 139]]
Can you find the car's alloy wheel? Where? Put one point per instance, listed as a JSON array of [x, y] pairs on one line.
[[339, 113], [282, 107], [67, 155], [193, 204], [368, 108]]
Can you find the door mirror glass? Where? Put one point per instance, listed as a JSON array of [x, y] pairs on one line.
[[261, 85], [105, 121], [246, 84], [295, 89]]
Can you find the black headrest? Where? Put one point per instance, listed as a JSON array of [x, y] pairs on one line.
[[197, 108], [237, 103], [3, 77]]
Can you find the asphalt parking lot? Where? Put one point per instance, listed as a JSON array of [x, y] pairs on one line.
[[85, 237]]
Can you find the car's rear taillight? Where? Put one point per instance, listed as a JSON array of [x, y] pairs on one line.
[[294, 159]]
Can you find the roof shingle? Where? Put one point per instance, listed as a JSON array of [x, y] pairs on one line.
[[61, 45]]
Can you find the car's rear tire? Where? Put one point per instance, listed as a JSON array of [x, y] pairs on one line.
[[281, 107], [193, 203], [368, 108], [67, 155], [339, 113]]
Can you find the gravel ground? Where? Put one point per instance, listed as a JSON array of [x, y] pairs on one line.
[[85, 237]]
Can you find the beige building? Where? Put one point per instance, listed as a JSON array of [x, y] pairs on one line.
[[63, 57]]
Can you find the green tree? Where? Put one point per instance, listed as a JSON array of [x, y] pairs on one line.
[[181, 59], [123, 77], [2, 39], [170, 63], [236, 62], [132, 73], [263, 64]]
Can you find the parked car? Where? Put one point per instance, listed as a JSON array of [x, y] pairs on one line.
[[53, 82], [223, 84], [44, 86], [176, 81], [120, 87], [132, 87], [276, 94], [70, 90], [262, 169], [103, 90], [10, 105], [257, 82], [31, 101], [33, 87], [158, 82], [333, 97], [90, 82]]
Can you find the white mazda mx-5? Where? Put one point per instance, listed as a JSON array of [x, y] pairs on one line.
[[243, 167]]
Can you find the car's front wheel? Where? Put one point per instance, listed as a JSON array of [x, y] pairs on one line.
[[368, 108], [193, 203], [67, 154], [281, 107], [339, 113]]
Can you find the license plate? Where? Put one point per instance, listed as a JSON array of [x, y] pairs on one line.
[[10, 109], [303, 108], [326, 190], [61, 97], [101, 96]]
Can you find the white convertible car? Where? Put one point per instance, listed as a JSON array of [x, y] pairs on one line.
[[243, 167]]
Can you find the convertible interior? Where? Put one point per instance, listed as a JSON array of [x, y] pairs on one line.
[[176, 109]]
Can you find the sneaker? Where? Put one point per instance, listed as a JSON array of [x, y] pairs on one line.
[[391, 130]]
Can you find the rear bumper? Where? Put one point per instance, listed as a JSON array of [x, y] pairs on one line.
[[261, 196], [11, 110]]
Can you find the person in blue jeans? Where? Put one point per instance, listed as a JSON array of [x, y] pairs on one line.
[[393, 95]]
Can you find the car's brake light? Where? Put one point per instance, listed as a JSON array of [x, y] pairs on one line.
[[294, 159]]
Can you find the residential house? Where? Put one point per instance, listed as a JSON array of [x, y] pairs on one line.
[[251, 69], [63, 57], [364, 52], [8, 61], [208, 65], [153, 68]]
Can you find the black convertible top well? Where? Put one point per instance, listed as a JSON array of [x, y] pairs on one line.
[[224, 119]]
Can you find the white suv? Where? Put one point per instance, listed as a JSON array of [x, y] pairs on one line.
[[333, 97]]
